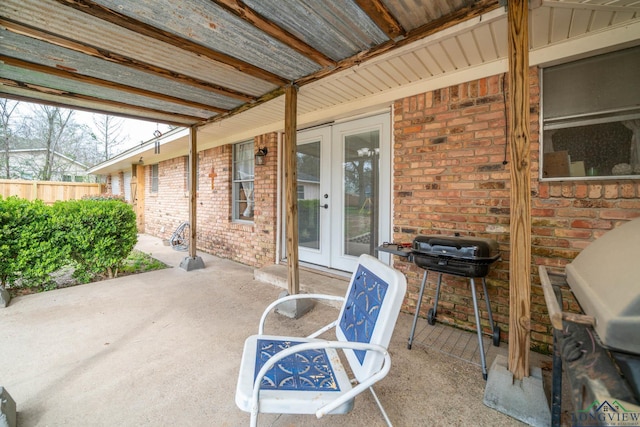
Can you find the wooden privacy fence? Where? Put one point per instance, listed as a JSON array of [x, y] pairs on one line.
[[48, 191]]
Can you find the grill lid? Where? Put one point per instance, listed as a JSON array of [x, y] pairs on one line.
[[605, 278], [476, 249]]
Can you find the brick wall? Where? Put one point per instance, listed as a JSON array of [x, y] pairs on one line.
[[167, 208], [249, 243], [449, 176]]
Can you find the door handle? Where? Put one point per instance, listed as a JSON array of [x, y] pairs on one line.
[[326, 206]]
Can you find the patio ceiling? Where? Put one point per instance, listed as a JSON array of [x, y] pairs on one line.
[[189, 62], [222, 64]]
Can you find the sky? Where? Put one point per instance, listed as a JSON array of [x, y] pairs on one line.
[[134, 131]]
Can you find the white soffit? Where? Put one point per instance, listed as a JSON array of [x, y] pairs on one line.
[[474, 49]]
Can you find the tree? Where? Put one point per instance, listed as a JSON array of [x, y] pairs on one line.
[[7, 108], [109, 130], [54, 131]]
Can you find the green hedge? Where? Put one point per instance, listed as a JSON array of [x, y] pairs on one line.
[[31, 247], [94, 236]]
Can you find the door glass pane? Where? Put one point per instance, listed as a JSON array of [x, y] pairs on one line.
[[308, 168], [360, 169]]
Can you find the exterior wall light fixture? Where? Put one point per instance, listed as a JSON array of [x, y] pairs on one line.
[[260, 155]]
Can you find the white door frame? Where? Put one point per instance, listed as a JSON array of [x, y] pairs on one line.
[[382, 123], [331, 137], [321, 255]]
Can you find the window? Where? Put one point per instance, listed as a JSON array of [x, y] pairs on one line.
[[154, 178], [243, 181], [591, 118]]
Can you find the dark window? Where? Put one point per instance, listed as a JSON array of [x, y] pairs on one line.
[[154, 178]]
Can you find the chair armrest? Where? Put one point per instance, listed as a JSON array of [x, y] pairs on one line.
[[295, 297], [320, 344]]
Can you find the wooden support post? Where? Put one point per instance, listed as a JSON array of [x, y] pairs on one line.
[[134, 190], [193, 176], [193, 261], [520, 205], [291, 193]]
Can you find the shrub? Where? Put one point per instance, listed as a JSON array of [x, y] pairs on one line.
[[100, 235], [103, 196], [31, 246]]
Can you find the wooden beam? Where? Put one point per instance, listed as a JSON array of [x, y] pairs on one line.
[[193, 178], [520, 203], [244, 107], [35, 100], [94, 81], [104, 13], [382, 16], [115, 58], [244, 12], [291, 193], [62, 94]]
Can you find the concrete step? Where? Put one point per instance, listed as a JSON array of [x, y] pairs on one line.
[[311, 281]]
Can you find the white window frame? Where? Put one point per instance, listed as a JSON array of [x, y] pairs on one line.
[[550, 125], [239, 194]]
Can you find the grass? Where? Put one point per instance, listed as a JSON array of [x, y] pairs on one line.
[[136, 262], [139, 262]]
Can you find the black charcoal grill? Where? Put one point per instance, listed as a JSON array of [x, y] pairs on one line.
[[460, 256], [600, 350]]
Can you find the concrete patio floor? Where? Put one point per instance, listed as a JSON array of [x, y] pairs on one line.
[[163, 349]]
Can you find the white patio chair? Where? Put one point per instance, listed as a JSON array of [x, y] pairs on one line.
[[294, 375]]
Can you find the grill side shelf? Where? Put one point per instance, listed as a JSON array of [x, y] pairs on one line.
[[396, 249], [556, 315]]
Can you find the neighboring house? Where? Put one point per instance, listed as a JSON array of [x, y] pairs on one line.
[[28, 163], [423, 157]]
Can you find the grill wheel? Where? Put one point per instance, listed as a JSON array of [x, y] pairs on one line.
[[431, 317], [496, 336]]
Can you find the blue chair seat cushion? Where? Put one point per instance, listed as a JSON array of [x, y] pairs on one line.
[[307, 370], [301, 383]]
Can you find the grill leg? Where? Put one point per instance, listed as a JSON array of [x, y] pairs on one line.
[[478, 328], [486, 299], [495, 330], [435, 302], [418, 303]]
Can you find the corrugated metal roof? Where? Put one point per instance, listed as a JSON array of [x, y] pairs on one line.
[[207, 24], [337, 28], [222, 64]]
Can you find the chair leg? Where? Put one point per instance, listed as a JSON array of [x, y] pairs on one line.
[[384, 413]]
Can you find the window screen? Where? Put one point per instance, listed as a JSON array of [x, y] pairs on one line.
[[591, 117]]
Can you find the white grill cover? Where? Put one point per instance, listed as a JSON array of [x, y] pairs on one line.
[[605, 278]]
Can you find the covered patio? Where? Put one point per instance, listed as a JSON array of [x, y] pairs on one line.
[[144, 349], [163, 348]]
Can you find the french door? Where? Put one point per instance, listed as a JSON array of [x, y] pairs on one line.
[[344, 194]]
